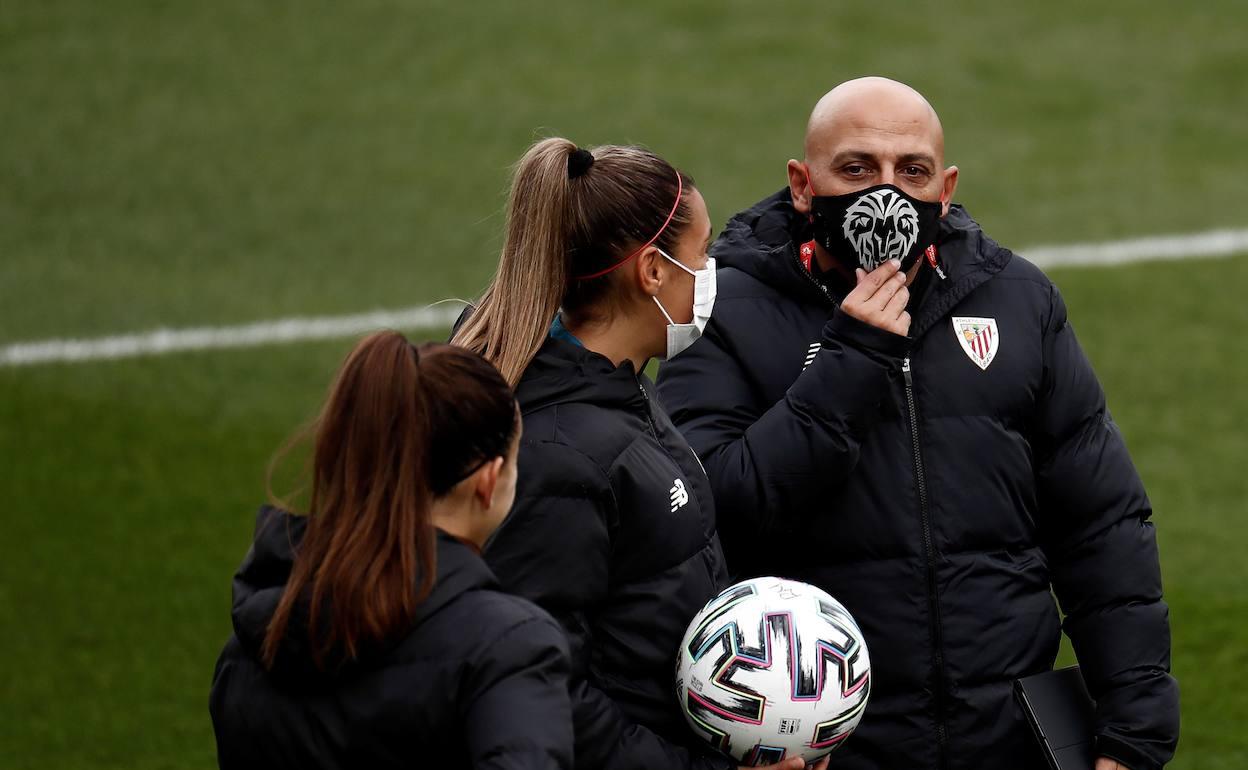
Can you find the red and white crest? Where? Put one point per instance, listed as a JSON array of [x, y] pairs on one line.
[[979, 337]]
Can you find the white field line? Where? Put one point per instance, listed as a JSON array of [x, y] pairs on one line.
[[162, 341], [1206, 245]]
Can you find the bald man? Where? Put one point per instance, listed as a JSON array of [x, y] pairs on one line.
[[894, 408]]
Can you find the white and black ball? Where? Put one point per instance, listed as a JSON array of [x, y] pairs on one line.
[[772, 669]]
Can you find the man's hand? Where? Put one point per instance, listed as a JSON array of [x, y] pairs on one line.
[[880, 298], [1105, 763], [796, 763]]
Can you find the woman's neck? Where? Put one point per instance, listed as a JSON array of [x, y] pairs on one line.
[[452, 518], [619, 339]]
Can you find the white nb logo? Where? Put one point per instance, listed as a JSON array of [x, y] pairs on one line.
[[679, 495]]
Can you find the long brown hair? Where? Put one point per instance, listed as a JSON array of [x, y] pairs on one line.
[[564, 221], [401, 427]]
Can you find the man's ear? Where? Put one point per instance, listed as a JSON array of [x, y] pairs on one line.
[[487, 481], [946, 194], [799, 185]]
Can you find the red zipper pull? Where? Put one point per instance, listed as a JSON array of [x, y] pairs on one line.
[[806, 253], [930, 253]]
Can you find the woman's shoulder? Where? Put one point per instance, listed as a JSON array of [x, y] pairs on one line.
[[514, 616], [580, 441], [480, 624], [579, 423]]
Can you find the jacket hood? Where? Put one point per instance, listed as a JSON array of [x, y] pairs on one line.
[[762, 242], [262, 577], [563, 372]]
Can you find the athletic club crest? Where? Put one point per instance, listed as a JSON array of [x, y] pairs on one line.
[[881, 225], [979, 338]]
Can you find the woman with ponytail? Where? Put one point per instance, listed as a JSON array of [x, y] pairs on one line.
[[604, 268], [369, 632]]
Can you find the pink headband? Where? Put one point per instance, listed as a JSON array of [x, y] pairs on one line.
[[680, 187]]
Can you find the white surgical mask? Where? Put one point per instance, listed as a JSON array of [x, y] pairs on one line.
[[681, 336]]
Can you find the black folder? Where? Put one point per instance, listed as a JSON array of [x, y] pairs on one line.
[[1060, 711]]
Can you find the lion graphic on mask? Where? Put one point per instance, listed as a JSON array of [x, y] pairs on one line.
[[881, 225]]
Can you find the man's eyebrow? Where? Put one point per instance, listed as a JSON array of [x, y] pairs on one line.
[[917, 157], [846, 155]]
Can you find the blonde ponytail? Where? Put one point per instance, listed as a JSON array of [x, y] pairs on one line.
[[513, 317]]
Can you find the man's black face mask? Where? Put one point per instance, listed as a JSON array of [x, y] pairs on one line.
[[868, 227]]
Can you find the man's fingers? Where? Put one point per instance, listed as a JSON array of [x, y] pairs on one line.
[[897, 303], [860, 274], [873, 294], [880, 298], [903, 323], [879, 276], [883, 295]]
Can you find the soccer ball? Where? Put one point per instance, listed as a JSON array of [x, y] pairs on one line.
[[772, 669]]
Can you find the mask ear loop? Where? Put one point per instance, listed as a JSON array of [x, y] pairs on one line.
[[806, 253], [677, 262], [663, 310], [810, 188]]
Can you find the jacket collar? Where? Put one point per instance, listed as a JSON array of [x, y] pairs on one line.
[[563, 372]]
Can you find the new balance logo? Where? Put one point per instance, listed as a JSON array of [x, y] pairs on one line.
[[811, 352], [679, 495]]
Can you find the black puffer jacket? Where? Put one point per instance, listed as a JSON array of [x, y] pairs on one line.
[[613, 532], [937, 499], [480, 681]]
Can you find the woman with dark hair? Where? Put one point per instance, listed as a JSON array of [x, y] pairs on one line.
[[369, 632], [604, 268]]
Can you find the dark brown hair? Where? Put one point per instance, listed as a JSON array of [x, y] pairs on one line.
[[563, 223], [402, 426]]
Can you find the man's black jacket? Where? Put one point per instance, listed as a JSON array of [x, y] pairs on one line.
[[613, 532], [941, 502], [479, 681]]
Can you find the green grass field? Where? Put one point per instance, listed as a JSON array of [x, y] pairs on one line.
[[169, 164]]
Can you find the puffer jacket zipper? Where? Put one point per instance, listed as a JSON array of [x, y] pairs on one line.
[[820, 288], [654, 431], [929, 552]]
